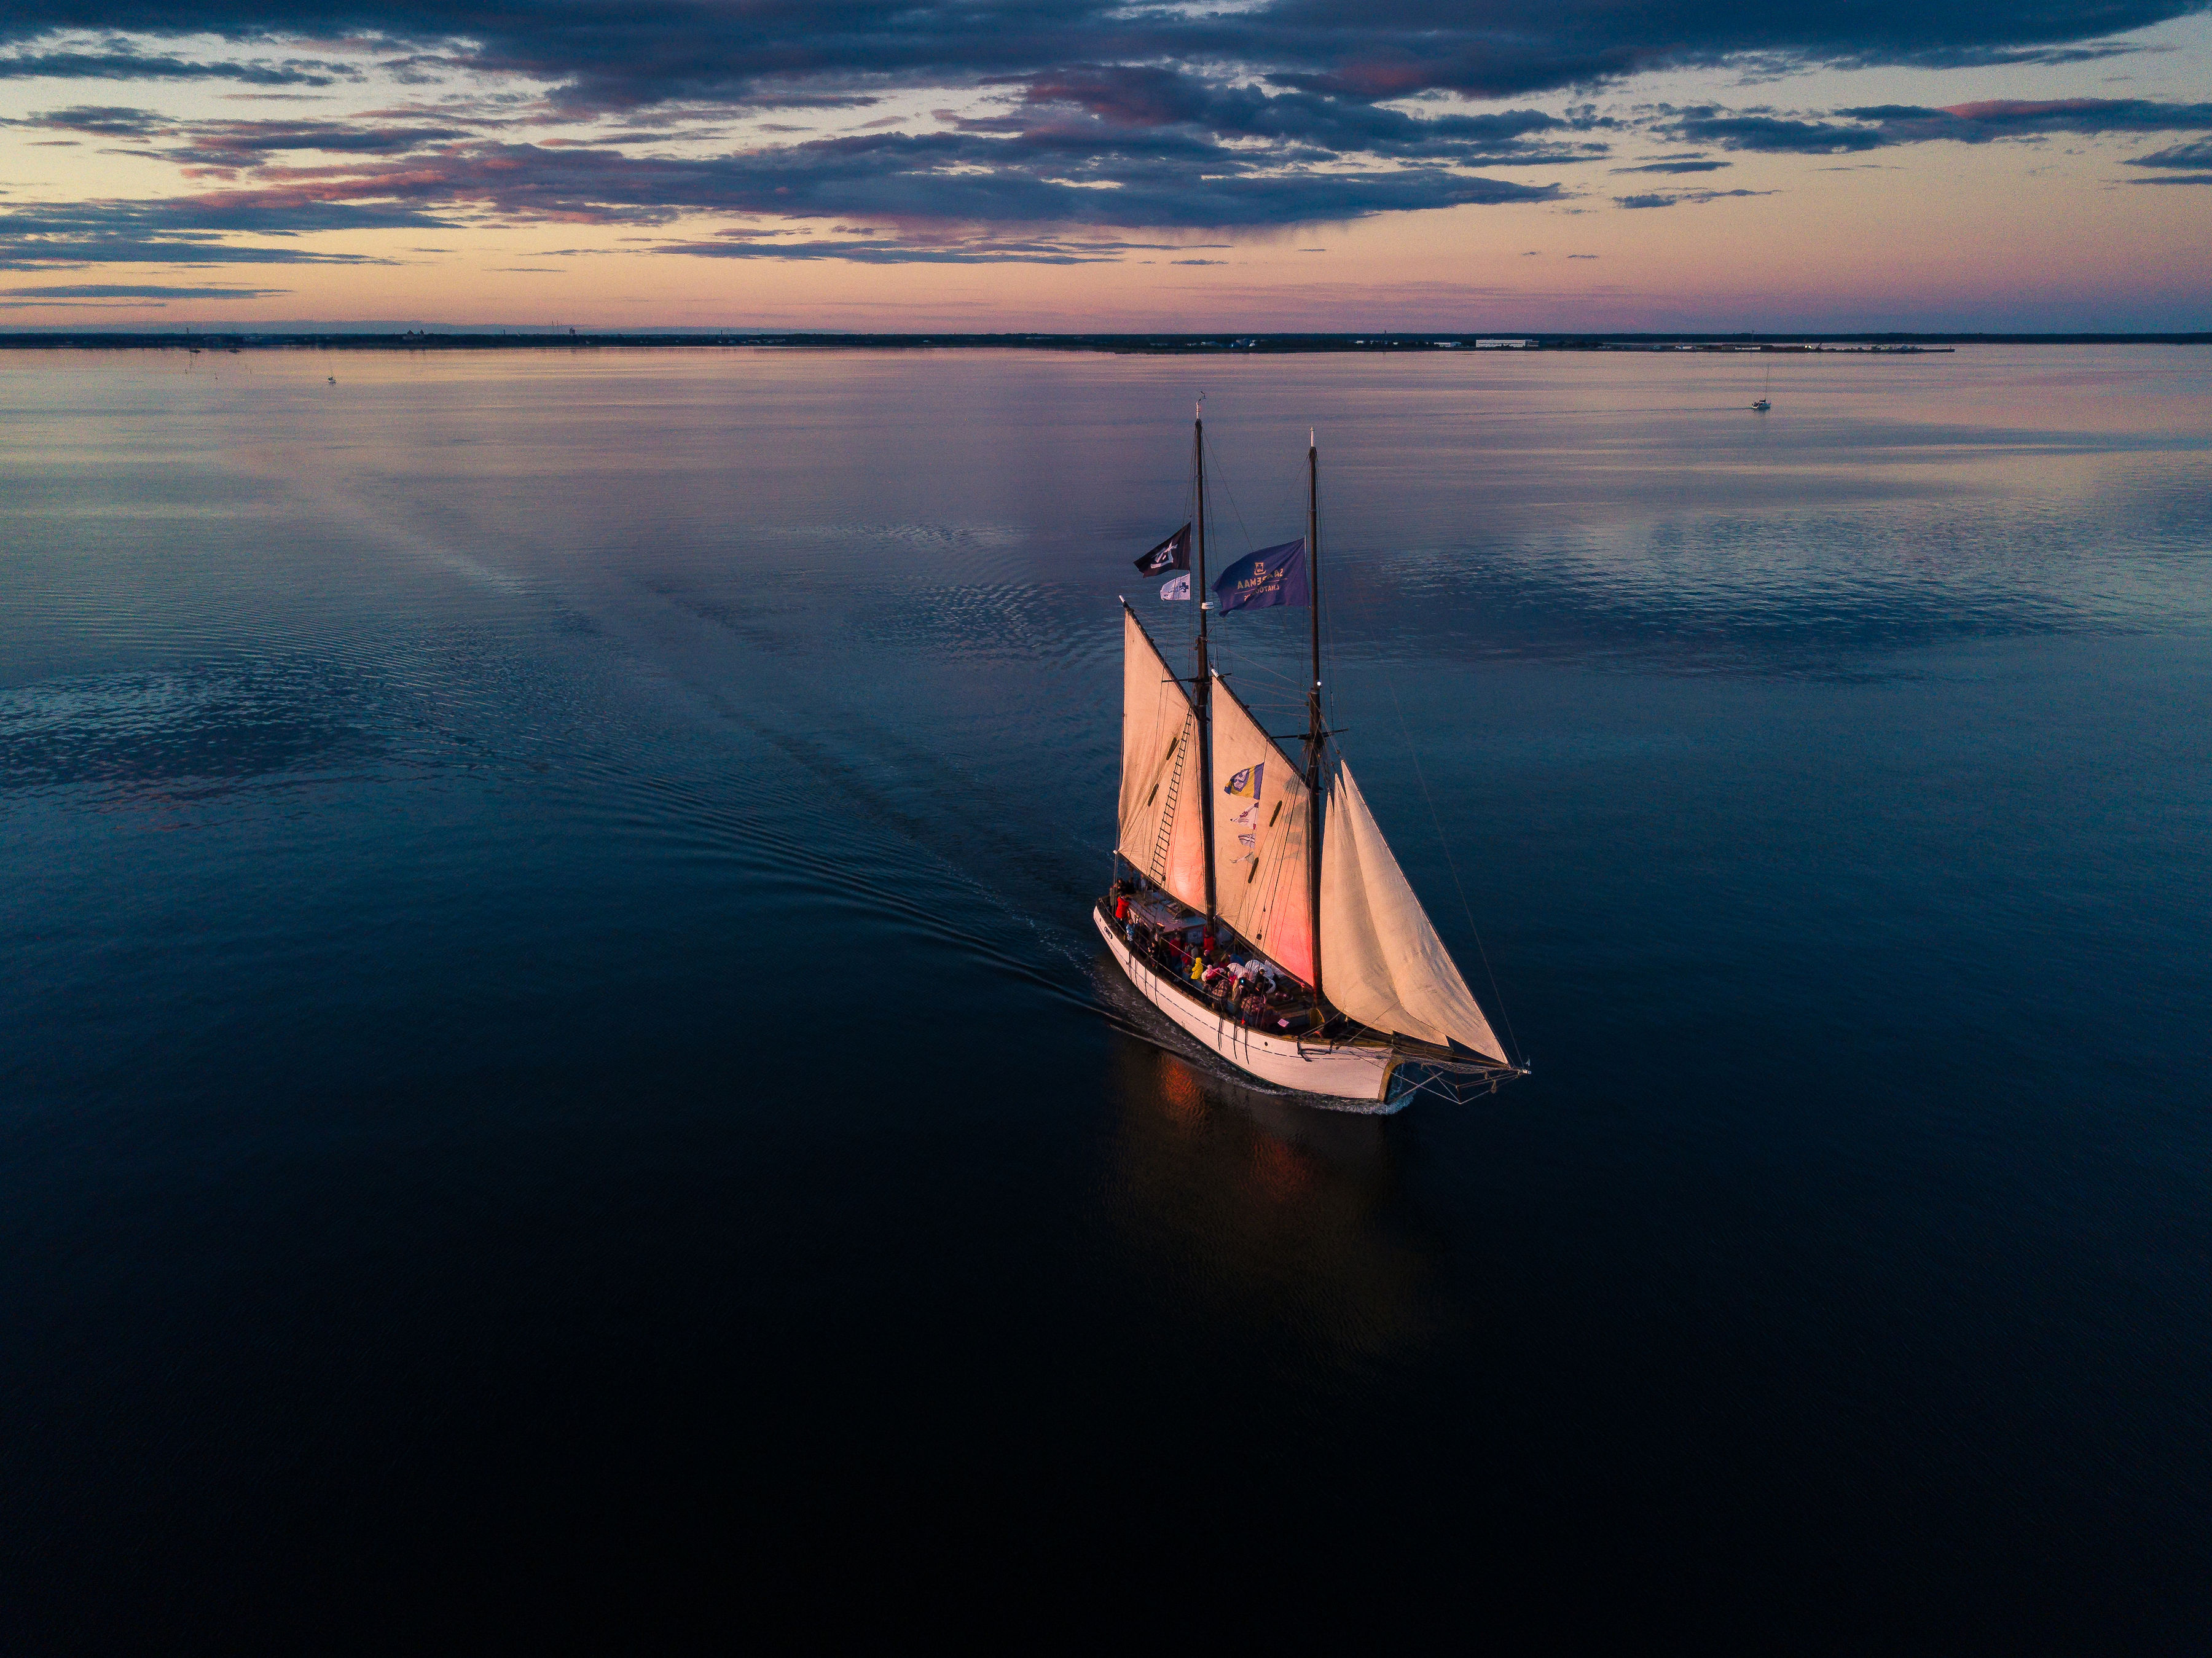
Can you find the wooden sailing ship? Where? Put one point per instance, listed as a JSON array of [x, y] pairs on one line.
[[1285, 939]]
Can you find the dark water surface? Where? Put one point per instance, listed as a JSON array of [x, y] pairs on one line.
[[555, 1071]]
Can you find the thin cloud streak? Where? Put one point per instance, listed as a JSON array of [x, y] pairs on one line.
[[138, 291], [1884, 126], [142, 66]]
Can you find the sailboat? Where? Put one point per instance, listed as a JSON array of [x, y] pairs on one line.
[[1765, 403], [1284, 939]]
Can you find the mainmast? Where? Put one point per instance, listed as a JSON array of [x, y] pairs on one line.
[[1316, 736], [1204, 701]]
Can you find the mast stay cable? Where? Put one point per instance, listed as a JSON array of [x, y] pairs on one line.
[[1520, 1053]]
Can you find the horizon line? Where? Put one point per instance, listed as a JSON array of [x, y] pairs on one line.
[[416, 336]]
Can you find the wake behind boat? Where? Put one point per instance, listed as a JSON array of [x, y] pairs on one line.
[[1286, 939]]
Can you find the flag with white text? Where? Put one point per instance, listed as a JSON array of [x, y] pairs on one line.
[[1273, 575]]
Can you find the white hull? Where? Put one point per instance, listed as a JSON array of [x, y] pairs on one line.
[[1358, 1077]]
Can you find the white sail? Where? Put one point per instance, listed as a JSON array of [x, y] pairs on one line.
[[1382, 962], [1262, 883], [1162, 832]]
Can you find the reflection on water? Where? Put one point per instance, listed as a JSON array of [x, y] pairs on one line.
[[1268, 1212]]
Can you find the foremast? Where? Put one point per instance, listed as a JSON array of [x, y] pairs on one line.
[[1203, 702]]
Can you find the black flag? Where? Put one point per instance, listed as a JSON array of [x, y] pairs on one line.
[[1173, 554]]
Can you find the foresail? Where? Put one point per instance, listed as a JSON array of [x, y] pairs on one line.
[[1262, 883], [1386, 966], [1161, 831]]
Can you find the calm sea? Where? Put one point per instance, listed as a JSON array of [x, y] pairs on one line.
[[555, 1071]]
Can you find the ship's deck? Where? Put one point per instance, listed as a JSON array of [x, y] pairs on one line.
[[1167, 933]]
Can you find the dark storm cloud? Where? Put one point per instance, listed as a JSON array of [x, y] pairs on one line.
[[1882, 126]]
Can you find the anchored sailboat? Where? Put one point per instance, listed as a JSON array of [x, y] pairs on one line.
[[1286, 939]]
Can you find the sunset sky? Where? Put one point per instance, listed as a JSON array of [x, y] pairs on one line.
[[1072, 164]]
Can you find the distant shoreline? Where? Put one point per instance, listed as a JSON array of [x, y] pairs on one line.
[[1871, 344]]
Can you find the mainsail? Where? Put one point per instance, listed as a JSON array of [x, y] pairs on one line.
[[1161, 832], [1386, 966], [1261, 876]]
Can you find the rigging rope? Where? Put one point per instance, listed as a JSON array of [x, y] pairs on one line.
[[1520, 1054], [1227, 653], [1221, 476]]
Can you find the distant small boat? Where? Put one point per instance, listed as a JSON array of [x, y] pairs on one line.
[[334, 379], [1764, 403]]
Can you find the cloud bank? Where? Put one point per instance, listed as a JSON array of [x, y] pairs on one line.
[[1065, 126], [603, 55]]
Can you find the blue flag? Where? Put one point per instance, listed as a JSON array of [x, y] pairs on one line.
[[1273, 575]]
